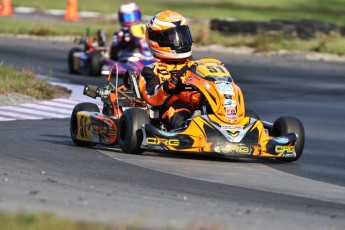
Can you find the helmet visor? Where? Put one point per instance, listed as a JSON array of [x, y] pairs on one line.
[[130, 17], [178, 36]]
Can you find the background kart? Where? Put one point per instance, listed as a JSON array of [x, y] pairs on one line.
[[93, 60], [87, 60], [219, 125]]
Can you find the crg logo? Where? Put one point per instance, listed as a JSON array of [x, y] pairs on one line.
[[233, 149], [167, 142], [285, 149]]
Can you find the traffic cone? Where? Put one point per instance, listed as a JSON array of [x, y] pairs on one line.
[[6, 8], [72, 11]]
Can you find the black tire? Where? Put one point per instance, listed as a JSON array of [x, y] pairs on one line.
[[131, 135], [287, 124], [73, 123], [71, 61], [252, 114], [95, 63]]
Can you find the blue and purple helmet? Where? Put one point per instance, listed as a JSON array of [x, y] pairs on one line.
[[129, 14]]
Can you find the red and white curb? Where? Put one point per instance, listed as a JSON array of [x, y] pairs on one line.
[[57, 108]]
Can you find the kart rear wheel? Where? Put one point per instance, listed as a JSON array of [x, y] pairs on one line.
[[287, 124], [74, 122], [95, 63], [71, 59], [131, 135]]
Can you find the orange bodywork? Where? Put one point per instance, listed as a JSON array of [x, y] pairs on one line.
[[224, 128], [94, 127]]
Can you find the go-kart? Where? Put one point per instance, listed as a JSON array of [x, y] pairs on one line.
[[94, 60], [87, 60], [219, 126]]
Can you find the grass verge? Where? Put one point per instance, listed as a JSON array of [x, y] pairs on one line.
[[53, 28], [43, 221], [330, 10], [332, 43], [25, 82]]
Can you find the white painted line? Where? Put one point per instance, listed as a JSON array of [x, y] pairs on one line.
[[24, 10], [55, 12], [88, 14]]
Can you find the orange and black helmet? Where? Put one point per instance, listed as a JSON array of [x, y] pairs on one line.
[[168, 36]]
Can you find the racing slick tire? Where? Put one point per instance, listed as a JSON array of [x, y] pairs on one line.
[[252, 114], [95, 66], [70, 59], [288, 124], [131, 135], [86, 106]]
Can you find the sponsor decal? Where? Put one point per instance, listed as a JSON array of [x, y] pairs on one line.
[[281, 140], [231, 117], [285, 149], [230, 113], [104, 130], [230, 110], [231, 148], [84, 127], [167, 134], [232, 127], [230, 102], [152, 66], [207, 85], [225, 87], [166, 142]]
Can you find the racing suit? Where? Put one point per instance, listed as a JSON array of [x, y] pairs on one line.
[[173, 105], [123, 40]]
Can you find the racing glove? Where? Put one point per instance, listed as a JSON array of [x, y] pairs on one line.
[[169, 86], [173, 80]]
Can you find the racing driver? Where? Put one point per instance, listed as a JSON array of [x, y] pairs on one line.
[[169, 40], [129, 14]]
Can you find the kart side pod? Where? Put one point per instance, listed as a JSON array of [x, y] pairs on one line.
[[89, 127]]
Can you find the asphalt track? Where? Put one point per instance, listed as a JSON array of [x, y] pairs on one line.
[[41, 169]]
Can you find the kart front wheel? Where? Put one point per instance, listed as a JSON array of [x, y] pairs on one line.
[[74, 122], [131, 135], [71, 59], [287, 124]]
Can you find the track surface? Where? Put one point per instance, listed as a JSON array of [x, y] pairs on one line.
[[40, 168]]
